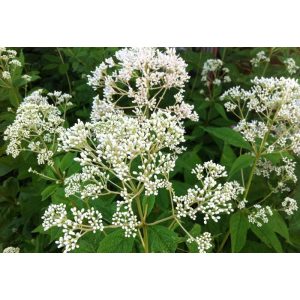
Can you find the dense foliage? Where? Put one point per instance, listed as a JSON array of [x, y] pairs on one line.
[[241, 129]]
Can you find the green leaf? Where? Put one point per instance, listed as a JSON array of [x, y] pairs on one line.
[[241, 162], [162, 239], [116, 242], [63, 68], [267, 235], [229, 136], [67, 161], [7, 164], [148, 202], [48, 191], [239, 226], [228, 156], [188, 160], [220, 109], [277, 223]]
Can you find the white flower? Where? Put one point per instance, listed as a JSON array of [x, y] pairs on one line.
[[27, 77], [6, 75], [260, 57], [283, 173], [291, 66], [35, 117], [11, 250], [212, 198], [15, 62], [275, 103], [125, 218], [260, 215], [289, 206], [242, 204], [214, 73], [82, 221], [204, 242]]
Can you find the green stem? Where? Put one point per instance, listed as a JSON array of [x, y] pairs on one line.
[[145, 238], [224, 241], [161, 220], [251, 176], [267, 64], [67, 75], [197, 74]]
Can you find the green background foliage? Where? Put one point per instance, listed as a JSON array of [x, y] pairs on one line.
[[24, 196]]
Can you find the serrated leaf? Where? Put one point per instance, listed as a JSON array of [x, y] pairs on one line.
[[162, 239], [116, 242], [239, 226]]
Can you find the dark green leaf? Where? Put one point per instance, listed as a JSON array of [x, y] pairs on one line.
[[162, 239], [239, 226], [229, 136], [267, 235], [148, 203], [67, 161], [241, 162], [116, 242], [48, 191]]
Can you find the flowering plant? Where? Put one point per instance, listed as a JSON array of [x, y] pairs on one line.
[[112, 179]]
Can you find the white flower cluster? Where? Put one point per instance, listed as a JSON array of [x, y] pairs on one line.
[[36, 124], [120, 134], [141, 77], [275, 102], [11, 250], [214, 73], [212, 198], [291, 66], [88, 184], [289, 206], [125, 218], [204, 242], [259, 58], [252, 131], [284, 173], [82, 222], [8, 63], [260, 215]]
